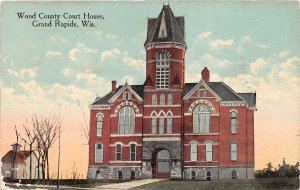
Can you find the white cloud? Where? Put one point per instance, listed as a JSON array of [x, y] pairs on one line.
[[129, 79], [67, 72], [69, 91], [258, 63], [12, 72], [220, 43], [263, 46], [80, 49], [291, 63], [58, 39], [284, 53], [110, 53], [111, 36], [204, 35], [53, 53], [30, 72], [32, 87], [246, 39], [138, 64]]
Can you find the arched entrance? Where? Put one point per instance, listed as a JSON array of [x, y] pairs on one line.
[[161, 164]]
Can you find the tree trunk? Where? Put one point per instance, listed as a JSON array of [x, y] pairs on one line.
[[47, 159], [30, 164]]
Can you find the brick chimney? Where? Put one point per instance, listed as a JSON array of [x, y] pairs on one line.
[[16, 147], [205, 74], [113, 85]]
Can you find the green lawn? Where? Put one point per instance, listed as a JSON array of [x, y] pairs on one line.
[[247, 184]]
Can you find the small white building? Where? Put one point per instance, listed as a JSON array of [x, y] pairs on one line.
[[22, 163]]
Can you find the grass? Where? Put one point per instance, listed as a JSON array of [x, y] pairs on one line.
[[242, 184]]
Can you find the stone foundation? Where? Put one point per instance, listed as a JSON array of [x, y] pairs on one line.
[[111, 172], [218, 172]]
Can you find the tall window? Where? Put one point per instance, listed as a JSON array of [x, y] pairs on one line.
[[119, 152], [209, 151], [233, 121], [170, 99], [126, 120], [169, 123], [161, 125], [132, 152], [162, 99], [98, 153], [162, 70], [201, 119], [99, 125], [127, 96], [193, 152], [233, 154], [154, 99], [154, 124]]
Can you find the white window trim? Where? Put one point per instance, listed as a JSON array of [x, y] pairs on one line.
[[118, 152], [99, 149], [134, 151], [196, 152]]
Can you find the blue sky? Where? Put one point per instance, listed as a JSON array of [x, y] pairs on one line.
[[252, 46]]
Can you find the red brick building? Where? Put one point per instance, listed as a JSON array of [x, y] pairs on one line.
[[167, 128]]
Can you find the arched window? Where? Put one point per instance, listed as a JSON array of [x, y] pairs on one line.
[[170, 99], [233, 174], [118, 152], [132, 152], [154, 124], [126, 120], [161, 124], [201, 119], [233, 121], [193, 151], [154, 99], [208, 175], [99, 125], [169, 123], [162, 70], [162, 99], [209, 151]]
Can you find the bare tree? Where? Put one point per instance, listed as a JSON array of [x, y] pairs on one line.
[[31, 137], [14, 154], [86, 127], [74, 172], [46, 129]]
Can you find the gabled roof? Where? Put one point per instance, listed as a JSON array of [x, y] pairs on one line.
[[21, 156], [250, 98], [174, 27], [220, 88], [139, 89]]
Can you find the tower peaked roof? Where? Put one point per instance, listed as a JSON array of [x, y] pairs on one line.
[[165, 28]]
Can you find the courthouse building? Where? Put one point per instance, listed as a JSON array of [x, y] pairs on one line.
[[166, 128]]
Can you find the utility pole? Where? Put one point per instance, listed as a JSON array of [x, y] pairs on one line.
[[58, 161]]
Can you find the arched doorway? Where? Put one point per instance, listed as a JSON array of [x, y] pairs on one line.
[[120, 175], [162, 165], [132, 174]]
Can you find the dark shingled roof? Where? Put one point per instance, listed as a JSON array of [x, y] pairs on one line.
[[250, 98], [221, 89], [21, 156], [174, 25], [139, 89]]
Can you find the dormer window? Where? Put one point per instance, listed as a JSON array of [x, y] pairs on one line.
[[163, 28]]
